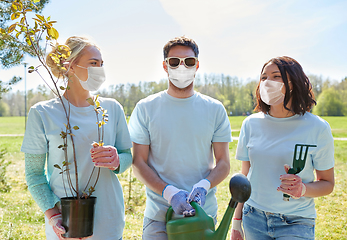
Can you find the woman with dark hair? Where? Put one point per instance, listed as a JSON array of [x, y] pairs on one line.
[[267, 144]]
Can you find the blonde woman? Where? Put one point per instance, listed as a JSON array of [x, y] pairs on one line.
[[42, 137]]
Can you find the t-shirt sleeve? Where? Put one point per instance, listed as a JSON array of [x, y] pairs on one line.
[[323, 158], [34, 141], [222, 131], [138, 128], [122, 132], [242, 150]]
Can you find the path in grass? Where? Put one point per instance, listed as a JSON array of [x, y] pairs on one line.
[[234, 138]]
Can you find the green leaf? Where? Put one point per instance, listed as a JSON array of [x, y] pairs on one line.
[[42, 18], [12, 28], [76, 128], [27, 39], [57, 166], [31, 67], [53, 33], [36, 1], [14, 8], [90, 101], [37, 20], [15, 15], [3, 31]]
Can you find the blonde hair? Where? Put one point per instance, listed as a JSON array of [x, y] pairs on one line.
[[76, 45]]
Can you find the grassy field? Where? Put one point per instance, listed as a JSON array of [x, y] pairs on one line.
[[20, 218]]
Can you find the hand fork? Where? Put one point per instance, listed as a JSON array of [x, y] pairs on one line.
[[298, 162]]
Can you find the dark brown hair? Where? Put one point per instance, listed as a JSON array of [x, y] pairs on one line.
[[301, 94], [181, 41]]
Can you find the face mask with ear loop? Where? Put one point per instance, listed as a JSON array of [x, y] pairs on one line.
[[96, 77], [271, 92], [181, 77]]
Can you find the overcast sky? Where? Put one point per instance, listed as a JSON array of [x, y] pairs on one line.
[[235, 37]]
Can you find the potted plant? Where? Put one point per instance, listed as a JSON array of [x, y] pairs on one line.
[[77, 220]]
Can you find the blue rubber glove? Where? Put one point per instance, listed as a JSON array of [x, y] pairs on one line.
[[178, 200], [199, 191]]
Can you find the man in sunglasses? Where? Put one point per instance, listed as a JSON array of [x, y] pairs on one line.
[[175, 133]]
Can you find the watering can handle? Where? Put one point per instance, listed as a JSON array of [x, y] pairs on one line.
[[195, 205], [169, 214]]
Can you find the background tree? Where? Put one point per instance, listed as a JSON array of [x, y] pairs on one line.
[[329, 103], [12, 52]]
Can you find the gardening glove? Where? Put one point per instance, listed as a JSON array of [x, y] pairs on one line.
[[55, 221], [199, 191], [236, 229], [178, 200], [104, 156], [292, 184]]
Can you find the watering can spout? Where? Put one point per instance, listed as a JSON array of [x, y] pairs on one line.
[[222, 231], [240, 189]]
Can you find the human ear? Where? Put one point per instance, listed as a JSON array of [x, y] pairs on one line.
[[165, 66]]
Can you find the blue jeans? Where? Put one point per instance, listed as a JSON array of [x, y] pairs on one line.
[[153, 230], [260, 225]]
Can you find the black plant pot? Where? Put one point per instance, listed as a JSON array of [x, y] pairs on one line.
[[78, 216]]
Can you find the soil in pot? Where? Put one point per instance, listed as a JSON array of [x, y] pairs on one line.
[[78, 216]]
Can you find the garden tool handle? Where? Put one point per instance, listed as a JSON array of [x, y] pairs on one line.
[[286, 196]]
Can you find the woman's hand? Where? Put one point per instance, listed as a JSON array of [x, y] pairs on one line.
[[236, 229], [292, 184], [105, 156]]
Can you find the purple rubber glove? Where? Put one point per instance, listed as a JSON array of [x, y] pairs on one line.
[[178, 200], [199, 191]]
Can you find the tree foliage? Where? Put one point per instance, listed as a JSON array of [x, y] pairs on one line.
[[12, 51], [329, 103]]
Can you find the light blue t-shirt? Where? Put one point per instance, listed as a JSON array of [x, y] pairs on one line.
[[268, 143], [45, 123], [180, 133]]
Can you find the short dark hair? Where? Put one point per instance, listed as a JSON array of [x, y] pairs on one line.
[[181, 41], [302, 95]]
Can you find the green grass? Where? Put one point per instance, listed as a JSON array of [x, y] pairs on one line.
[[338, 126], [20, 217], [12, 125]]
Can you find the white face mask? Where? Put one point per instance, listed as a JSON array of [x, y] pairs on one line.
[[271, 92], [96, 76], [181, 77]]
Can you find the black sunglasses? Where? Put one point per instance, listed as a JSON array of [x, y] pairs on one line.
[[189, 62]]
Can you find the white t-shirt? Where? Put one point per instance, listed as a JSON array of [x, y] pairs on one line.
[[180, 133], [45, 123], [268, 143]]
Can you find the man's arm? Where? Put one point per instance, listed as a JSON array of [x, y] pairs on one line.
[[222, 168], [143, 172]]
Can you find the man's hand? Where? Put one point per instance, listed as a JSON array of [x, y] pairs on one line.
[[178, 200], [199, 191]]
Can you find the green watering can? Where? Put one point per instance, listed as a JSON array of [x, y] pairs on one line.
[[298, 162], [201, 226]]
